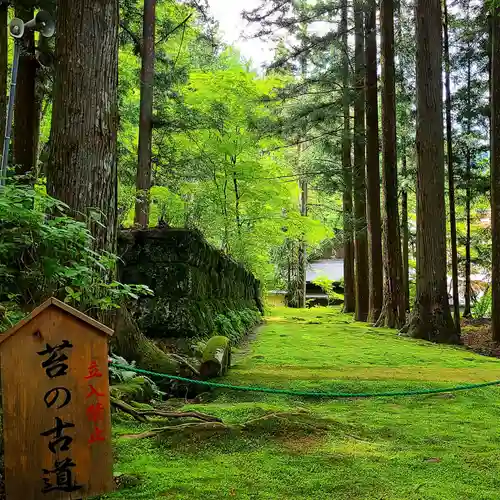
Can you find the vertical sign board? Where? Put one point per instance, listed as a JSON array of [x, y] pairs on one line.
[[56, 408]]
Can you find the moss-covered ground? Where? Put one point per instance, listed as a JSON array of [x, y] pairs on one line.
[[423, 447]]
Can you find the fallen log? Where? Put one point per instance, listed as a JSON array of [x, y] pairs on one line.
[[130, 343], [216, 358]]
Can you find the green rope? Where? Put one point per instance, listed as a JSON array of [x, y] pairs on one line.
[[307, 393]]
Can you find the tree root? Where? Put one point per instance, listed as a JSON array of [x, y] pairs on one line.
[[174, 414], [186, 363], [174, 429], [278, 423], [126, 408], [142, 415]]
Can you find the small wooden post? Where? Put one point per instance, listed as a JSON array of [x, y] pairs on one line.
[[56, 408]]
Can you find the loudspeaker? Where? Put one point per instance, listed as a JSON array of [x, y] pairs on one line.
[[16, 28], [43, 23]]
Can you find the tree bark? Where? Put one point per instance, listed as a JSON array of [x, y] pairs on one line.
[[143, 182], [405, 237], [83, 153], [431, 318], [237, 201], [373, 168], [495, 174], [27, 106], [468, 194], [467, 292], [349, 289], [3, 68], [359, 184], [302, 267], [394, 312], [451, 178], [404, 228]]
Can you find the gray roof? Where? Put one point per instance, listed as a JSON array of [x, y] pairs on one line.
[[332, 269]]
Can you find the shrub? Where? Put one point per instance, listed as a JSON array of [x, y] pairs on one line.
[[327, 285], [482, 307], [234, 324], [44, 253]]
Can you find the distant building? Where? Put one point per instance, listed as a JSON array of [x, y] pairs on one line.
[[333, 269]]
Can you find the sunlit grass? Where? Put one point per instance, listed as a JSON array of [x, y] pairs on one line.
[[425, 447]]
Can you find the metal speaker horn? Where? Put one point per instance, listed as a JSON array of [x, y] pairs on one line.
[[43, 23], [16, 28]]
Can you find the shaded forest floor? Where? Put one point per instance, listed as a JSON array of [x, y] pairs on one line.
[[476, 335], [424, 447]]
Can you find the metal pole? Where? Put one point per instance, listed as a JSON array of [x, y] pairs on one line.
[[8, 125]]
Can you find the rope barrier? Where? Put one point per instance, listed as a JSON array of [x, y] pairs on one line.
[[290, 392]]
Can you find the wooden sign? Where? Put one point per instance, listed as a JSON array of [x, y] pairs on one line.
[[56, 409]]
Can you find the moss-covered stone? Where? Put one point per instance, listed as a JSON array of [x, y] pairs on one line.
[[198, 290], [136, 389], [213, 345], [216, 358]]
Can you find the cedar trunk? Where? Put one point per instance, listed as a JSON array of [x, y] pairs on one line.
[[27, 105], [394, 311], [451, 179], [468, 195], [360, 232], [349, 290], [302, 261], [82, 164], [405, 236], [3, 69], [467, 292], [495, 173], [143, 182], [431, 318], [373, 167]]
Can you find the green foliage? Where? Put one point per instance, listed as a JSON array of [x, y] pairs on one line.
[[219, 162], [481, 308], [43, 253], [327, 285], [235, 324]]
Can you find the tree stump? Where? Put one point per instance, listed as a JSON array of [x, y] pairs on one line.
[[216, 358]]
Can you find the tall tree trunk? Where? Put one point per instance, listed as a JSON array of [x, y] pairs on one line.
[[451, 179], [467, 309], [237, 201], [431, 318], [394, 312], [373, 168], [468, 194], [3, 68], [83, 151], [302, 268], [404, 229], [349, 289], [360, 232], [143, 182], [495, 173], [27, 106]]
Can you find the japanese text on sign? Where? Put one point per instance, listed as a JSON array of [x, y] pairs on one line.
[[61, 476], [95, 409]]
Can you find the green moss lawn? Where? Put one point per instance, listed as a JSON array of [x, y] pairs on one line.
[[423, 447]]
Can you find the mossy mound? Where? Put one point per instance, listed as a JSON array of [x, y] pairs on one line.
[[139, 389]]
